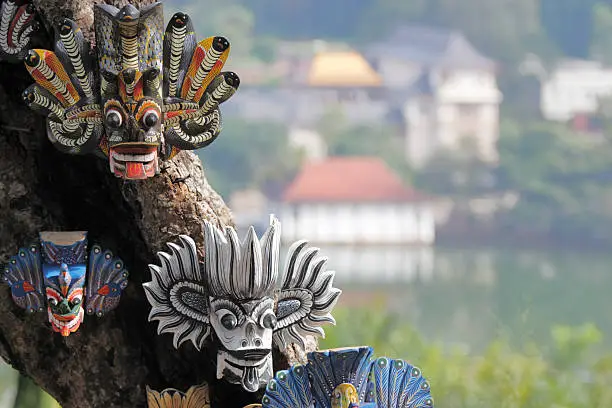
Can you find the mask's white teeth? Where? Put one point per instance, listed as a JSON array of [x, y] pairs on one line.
[[149, 157], [69, 324], [246, 363], [111, 163], [117, 166], [127, 157]]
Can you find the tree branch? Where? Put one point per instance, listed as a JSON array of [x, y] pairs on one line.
[[108, 361]]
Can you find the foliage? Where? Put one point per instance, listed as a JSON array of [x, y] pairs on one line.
[[568, 373], [569, 24], [250, 155], [511, 27], [377, 139], [458, 173], [220, 17], [29, 395], [21, 392], [563, 179], [602, 32]]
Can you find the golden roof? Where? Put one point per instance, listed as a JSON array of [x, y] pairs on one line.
[[342, 68]]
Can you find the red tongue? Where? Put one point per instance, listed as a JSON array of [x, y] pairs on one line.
[[135, 170]]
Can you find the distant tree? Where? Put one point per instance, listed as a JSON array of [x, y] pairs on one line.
[[392, 13], [264, 49], [602, 33], [457, 172], [305, 19], [220, 17], [564, 181], [569, 23], [249, 155], [29, 395], [379, 140]]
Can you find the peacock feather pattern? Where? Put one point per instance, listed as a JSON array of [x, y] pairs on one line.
[[348, 378], [396, 383], [144, 95], [57, 275]]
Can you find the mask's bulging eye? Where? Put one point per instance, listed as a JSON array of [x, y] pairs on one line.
[[76, 300], [268, 320], [227, 319], [52, 301], [150, 118], [114, 118]]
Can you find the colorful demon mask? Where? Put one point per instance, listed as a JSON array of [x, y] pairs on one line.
[[233, 293], [153, 92], [60, 271], [16, 26], [348, 378]]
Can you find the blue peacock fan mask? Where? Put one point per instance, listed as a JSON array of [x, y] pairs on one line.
[[59, 277], [348, 378], [144, 95]]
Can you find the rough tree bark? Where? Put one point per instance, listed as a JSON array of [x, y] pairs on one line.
[[109, 361]]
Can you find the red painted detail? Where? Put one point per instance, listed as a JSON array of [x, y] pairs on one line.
[[27, 287], [135, 170]]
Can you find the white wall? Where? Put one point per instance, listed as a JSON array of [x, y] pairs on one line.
[[469, 86], [574, 87], [465, 104], [377, 223]]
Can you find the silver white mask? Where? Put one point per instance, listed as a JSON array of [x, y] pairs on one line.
[[234, 292]]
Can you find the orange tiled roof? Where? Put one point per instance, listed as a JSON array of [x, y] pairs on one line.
[[349, 179]]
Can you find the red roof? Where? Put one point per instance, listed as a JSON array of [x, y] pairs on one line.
[[349, 179]]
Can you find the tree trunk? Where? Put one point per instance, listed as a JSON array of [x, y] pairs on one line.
[[108, 361]]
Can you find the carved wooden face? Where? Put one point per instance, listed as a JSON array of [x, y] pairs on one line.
[[154, 92], [130, 62], [64, 289], [132, 120], [244, 331], [233, 295]]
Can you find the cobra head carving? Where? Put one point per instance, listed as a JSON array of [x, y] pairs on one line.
[[145, 94], [130, 63], [17, 24], [233, 294]]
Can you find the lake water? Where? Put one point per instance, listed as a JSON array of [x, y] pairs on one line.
[[469, 297]]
